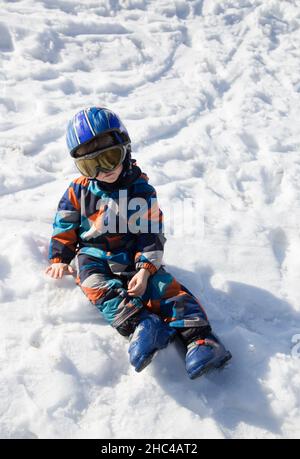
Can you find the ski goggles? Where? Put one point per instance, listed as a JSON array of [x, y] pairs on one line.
[[105, 160]]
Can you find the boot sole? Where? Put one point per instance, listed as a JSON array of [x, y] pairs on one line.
[[149, 359], [146, 362], [214, 365]]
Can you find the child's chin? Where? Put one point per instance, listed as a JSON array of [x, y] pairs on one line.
[[111, 179]]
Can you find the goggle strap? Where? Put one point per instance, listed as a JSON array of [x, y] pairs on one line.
[[117, 137]]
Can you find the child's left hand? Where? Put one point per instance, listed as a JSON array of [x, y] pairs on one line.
[[138, 283]]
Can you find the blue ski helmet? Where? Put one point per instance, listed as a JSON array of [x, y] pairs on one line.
[[93, 122]]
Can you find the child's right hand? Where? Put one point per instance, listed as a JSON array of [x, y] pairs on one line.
[[57, 270]]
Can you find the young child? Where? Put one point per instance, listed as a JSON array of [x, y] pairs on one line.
[[118, 248]]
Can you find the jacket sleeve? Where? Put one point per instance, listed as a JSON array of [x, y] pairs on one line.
[[66, 223], [150, 239]]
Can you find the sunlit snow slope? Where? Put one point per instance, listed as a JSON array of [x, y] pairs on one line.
[[210, 93]]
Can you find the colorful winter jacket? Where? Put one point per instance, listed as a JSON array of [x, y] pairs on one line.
[[123, 226]]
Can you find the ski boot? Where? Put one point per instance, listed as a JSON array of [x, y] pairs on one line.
[[150, 335], [204, 355]]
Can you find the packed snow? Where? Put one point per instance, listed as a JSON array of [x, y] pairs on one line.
[[210, 93]]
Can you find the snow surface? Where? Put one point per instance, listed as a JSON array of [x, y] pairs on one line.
[[210, 93]]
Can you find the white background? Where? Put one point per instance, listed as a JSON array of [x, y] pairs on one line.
[[210, 93]]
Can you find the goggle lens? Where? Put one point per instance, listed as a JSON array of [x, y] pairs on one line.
[[100, 161]]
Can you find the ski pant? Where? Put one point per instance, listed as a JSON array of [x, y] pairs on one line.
[[164, 296]]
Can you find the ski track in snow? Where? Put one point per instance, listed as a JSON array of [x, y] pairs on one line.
[[210, 93]]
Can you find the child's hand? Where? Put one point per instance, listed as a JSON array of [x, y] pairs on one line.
[[138, 284], [57, 270]]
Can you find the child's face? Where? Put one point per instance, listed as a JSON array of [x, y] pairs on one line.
[[105, 141], [110, 177]]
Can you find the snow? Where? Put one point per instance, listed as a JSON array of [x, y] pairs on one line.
[[210, 93]]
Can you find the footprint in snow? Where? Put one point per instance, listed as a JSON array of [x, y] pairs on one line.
[[279, 244], [6, 43]]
